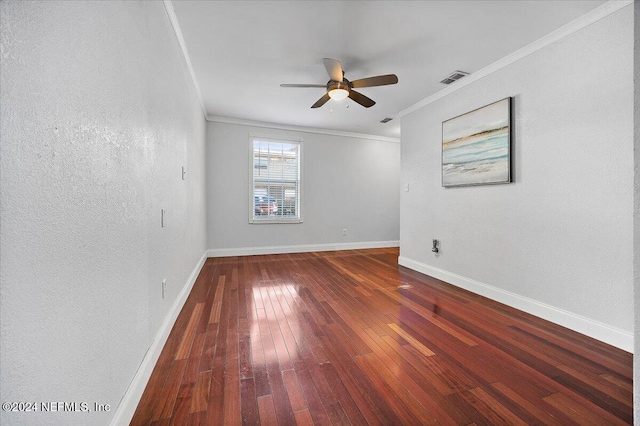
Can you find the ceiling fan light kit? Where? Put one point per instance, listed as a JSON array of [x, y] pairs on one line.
[[337, 91], [339, 88]]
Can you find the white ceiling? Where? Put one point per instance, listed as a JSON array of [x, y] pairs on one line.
[[242, 50]]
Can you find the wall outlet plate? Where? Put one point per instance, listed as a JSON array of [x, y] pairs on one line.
[[164, 287]]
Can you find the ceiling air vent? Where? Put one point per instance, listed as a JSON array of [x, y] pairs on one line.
[[455, 76], [386, 120]]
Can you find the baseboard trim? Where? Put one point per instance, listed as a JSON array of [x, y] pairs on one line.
[[605, 333], [249, 251], [127, 407]]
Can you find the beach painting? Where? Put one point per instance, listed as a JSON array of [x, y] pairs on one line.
[[476, 146]]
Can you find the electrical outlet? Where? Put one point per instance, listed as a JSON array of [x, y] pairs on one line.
[[164, 287], [344, 232]]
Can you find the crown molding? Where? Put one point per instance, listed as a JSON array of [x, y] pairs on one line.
[[585, 20], [229, 120], [589, 18], [168, 6]]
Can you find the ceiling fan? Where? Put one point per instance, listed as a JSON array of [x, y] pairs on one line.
[[339, 87]]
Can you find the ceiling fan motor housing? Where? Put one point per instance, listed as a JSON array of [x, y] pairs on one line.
[[333, 85]]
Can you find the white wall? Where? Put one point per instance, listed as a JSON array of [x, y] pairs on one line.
[[98, 115], [348, 182], [559, 240]]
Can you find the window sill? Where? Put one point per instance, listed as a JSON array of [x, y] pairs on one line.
[[255, 221]]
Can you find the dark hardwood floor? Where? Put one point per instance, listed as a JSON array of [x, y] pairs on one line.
[[352, 338]]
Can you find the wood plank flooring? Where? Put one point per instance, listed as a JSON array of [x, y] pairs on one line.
[[352, 338]]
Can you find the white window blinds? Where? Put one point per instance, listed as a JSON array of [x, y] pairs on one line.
[[276, 181]]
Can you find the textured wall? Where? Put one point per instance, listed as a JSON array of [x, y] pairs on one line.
[[562, 233], [98, 115], [348, 183]]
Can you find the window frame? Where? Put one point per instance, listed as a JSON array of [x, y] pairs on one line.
[[271, 219]]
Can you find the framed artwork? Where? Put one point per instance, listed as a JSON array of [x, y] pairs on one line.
[[476, 146]]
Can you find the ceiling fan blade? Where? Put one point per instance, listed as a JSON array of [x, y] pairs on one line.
[[361, 99], [323, 100], [379, 80], [334, 69], [304, 85]]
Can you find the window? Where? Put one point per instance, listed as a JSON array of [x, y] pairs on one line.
[[276, 190]]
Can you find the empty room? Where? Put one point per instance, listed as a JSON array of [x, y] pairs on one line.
[[319, 212]]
